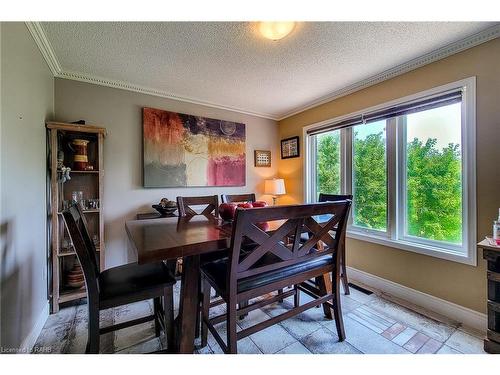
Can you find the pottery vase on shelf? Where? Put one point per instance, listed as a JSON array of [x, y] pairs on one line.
[[75, 278], [81, 159]]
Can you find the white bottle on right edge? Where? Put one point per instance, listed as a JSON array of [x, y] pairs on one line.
[[496, 229]]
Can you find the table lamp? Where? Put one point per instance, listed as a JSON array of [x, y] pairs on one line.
[[274, 187]]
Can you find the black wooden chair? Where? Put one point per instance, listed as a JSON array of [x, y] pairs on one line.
[[273, 264], [243, 198], [343, 271], [119, 285], [238, 198], [324, 282], [211, 203], [211, 209], [185, 208]]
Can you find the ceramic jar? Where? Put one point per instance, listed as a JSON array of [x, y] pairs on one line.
[[81, 159]]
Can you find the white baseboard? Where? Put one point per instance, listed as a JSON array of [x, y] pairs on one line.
[[30, 340], [465, 316]]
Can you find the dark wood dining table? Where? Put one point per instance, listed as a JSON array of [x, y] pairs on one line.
[[189, 237], [156, 240]]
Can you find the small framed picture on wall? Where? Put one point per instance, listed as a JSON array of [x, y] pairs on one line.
[[262, 158], [290, 148]]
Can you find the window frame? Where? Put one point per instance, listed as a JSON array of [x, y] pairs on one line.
[[395, 150]]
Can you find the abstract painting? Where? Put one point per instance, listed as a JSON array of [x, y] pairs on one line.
[[187, 150]]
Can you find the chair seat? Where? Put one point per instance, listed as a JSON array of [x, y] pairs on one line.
[[216, 272], [122, 283]]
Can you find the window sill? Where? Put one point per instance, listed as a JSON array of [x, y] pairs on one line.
[[432, 251]]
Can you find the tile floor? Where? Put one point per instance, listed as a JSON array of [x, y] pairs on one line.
[[373, 324]]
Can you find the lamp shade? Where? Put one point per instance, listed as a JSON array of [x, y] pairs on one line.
[[275, 186]]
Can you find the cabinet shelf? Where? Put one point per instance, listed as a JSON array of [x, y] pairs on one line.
[[86, 211], [72, 252], [90, 183], [81, 172], [71, 295], [492, 255]]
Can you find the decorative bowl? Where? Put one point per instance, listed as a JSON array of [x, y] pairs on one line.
[[168, 210]]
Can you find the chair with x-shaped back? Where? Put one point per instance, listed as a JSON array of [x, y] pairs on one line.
[[273, 264], [343, 271], [211, 203]]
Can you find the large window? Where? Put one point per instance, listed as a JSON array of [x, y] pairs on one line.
[[410, 167], [369, 176], [328, 163], [433, 176]]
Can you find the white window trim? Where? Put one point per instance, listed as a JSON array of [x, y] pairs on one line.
[[391, 238]]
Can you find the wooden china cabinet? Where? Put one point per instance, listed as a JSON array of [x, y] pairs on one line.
[[79, 147]]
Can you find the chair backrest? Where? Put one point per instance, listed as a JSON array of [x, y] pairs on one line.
[[211, 202], [294, 220], [76, 225], [238, 198], [334, 197]]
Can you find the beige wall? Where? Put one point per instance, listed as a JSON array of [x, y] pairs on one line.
[[458, 283], [27, 100], [120, 112]]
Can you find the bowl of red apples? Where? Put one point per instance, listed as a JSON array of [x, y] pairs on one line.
[[227, 211]]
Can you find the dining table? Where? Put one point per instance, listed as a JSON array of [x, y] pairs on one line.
[[189, 237]]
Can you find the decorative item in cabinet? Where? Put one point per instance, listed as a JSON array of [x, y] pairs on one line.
[[74, 278], [81, 160], [76, 173]]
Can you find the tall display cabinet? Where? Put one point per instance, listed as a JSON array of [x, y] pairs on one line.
[[79, 147]]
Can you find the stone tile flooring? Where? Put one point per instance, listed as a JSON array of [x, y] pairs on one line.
[[373, 324]]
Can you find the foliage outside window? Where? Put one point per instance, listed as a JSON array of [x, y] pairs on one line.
[[328, 163], [434, 177], [369, 176]]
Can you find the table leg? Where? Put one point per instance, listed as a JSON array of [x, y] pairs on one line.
[[188, 305]]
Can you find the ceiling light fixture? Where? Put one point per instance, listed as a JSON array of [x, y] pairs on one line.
[[276, 30]]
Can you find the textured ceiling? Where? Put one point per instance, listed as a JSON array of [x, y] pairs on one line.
[[230, 64]]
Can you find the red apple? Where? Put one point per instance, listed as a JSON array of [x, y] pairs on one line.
[[260, 204], [227, 211], [245, 205]]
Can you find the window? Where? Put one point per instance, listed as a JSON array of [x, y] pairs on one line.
[[369, 176], [410, 165], [433, 176], [328, 163]]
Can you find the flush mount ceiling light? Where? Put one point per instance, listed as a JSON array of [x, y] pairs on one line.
[[276, 30]]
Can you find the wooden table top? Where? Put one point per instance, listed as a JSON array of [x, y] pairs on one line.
[[160, 239], [170, 238]]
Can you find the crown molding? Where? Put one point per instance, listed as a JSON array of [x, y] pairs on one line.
[[36, 30], [151, 91], [45, 48], [441, 53]]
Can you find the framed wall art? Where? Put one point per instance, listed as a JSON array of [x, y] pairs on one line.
[[290, 148], [262, 158], [186, 150]]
